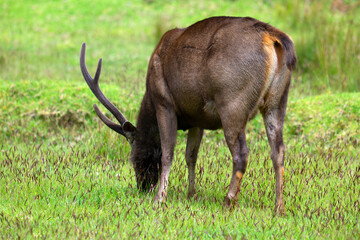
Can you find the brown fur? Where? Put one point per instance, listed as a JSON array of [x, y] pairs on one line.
[[215, 73]]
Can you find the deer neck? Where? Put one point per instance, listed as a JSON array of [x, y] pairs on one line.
[[146, 152], [147, 127]]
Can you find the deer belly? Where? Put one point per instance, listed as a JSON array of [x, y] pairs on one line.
[[205, 117]]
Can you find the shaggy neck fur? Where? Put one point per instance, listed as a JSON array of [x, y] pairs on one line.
[[146, 155]]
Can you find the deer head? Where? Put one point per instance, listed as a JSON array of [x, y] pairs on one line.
[[145, 156]]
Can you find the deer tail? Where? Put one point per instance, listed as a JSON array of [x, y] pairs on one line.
[[288, 46]]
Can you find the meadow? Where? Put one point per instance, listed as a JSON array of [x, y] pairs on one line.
[[63, 174]]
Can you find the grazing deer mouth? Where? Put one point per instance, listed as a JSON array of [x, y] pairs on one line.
[[147, 170], [147, 180]]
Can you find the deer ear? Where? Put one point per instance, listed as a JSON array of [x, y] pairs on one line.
[[129, 130]]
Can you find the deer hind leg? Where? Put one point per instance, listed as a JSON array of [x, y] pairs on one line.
[[275, 138], [167, 123], [274, 130], [234, 131], [192, 148], [274, 121], [240, 154]]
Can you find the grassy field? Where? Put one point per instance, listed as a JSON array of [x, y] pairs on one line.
[[65, 175]]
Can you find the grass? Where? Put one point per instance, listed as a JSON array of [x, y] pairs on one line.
[[42, 39], [327, 44], [63, 174], [70, 177], [68, 194]]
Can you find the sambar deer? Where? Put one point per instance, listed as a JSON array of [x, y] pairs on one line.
[[215, 73]]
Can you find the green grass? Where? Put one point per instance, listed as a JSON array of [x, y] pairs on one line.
[[63, 174], [66, 177], [42, 39]]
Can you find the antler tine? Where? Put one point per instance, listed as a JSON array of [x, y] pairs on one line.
[[116, 127], [98, 72], [94, 86]]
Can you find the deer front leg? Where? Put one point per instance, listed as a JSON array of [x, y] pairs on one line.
[[192, 149], [167, 123]]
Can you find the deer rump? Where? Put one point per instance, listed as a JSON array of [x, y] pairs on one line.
[[216, 73]]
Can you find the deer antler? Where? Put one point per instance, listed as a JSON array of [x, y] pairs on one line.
[[94, 86]]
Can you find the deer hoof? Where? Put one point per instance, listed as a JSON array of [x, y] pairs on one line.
[[191, 193], [280, 209], [229, 202], [160, 198]]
